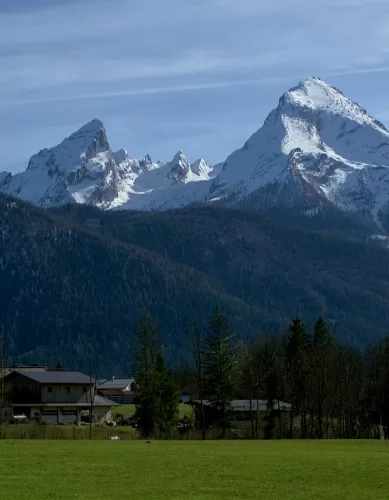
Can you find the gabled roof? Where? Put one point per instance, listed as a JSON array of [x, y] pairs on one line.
[[115, 392], [56, 377], [98, 401], [82, 403], [115, 383], [4, 372], [28, 368]]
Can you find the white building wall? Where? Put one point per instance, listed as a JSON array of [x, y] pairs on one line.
[[64, 393], [50, 416], [101, 414], [68, 415]]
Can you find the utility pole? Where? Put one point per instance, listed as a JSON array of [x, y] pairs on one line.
[[2, 374], [90, 384]]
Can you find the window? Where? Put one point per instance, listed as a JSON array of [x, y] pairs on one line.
[[49, 413], [84, 389], [49, 389], [69, 413], [67, 389]]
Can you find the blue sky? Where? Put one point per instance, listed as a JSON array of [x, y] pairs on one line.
[[197, 75]]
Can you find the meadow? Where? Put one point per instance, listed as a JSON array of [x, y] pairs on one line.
[[178, 470]]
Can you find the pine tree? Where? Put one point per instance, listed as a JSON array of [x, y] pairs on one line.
[[220, 364], [157, 395], [145, 355], [298, 347], [385, 390], [197, 350], [322, 373], [167, 398]]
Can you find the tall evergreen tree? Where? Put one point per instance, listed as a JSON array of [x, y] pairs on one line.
[[322, 374], [145, 355], [248, 379], [157, 394], [167, 398], [197, 350], [220, 364], [298, 350]]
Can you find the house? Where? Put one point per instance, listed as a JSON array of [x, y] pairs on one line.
[[28, 368], [238, 411], [120, 390], [54, 396]]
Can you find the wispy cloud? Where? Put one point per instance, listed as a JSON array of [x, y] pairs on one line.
[[75, 44], [182, 88], [92, 51], [147, 91]]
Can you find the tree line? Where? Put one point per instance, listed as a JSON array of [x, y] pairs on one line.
[[332, 390]]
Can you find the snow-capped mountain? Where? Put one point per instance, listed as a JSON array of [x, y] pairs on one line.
[[316, 145], [316, 149], [166, 185], [83, 169]]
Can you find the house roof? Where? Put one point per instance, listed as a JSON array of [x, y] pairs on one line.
[[56, 377], [4, 372], [115, 383], [27, 368], [81, 403], [115, 392]]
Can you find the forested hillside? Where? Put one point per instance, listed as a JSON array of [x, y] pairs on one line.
[[74, 273], [284, 270]]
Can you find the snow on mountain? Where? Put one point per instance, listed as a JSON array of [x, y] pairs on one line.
[[316, 148], [81, 169], [166, 185], [316, 141], [5, 177]]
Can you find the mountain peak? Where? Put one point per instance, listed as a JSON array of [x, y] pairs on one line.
[[179, 156], [200, 167], [121, 156], [315, 95], [179, 167], [92, 127], [93, 131]]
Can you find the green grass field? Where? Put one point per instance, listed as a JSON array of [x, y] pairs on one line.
[[128, 410], [177, 470]]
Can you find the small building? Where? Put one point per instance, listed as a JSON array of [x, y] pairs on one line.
[[120, 390], [238, 410], [54, 397]]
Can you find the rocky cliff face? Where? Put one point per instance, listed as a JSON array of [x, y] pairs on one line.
[[316, 145], [316, 149]]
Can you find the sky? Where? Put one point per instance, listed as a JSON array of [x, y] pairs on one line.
[[196, 75]]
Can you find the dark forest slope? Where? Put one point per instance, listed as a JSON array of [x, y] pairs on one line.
[[63, 278]]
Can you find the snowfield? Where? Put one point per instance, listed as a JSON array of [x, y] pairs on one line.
[[317, 144]]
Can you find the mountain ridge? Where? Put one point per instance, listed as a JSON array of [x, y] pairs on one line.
[[317, 147], [74, 269]]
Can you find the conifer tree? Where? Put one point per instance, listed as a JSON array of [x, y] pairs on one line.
[[220, 364], [157, 395], [298, 350], [322, 374], [167, 398], [197, 350], [145, 357]]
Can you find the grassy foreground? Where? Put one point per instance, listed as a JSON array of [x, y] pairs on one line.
[[278, 470]]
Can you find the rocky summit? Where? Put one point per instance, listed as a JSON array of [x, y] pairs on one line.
[[317, 149]]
